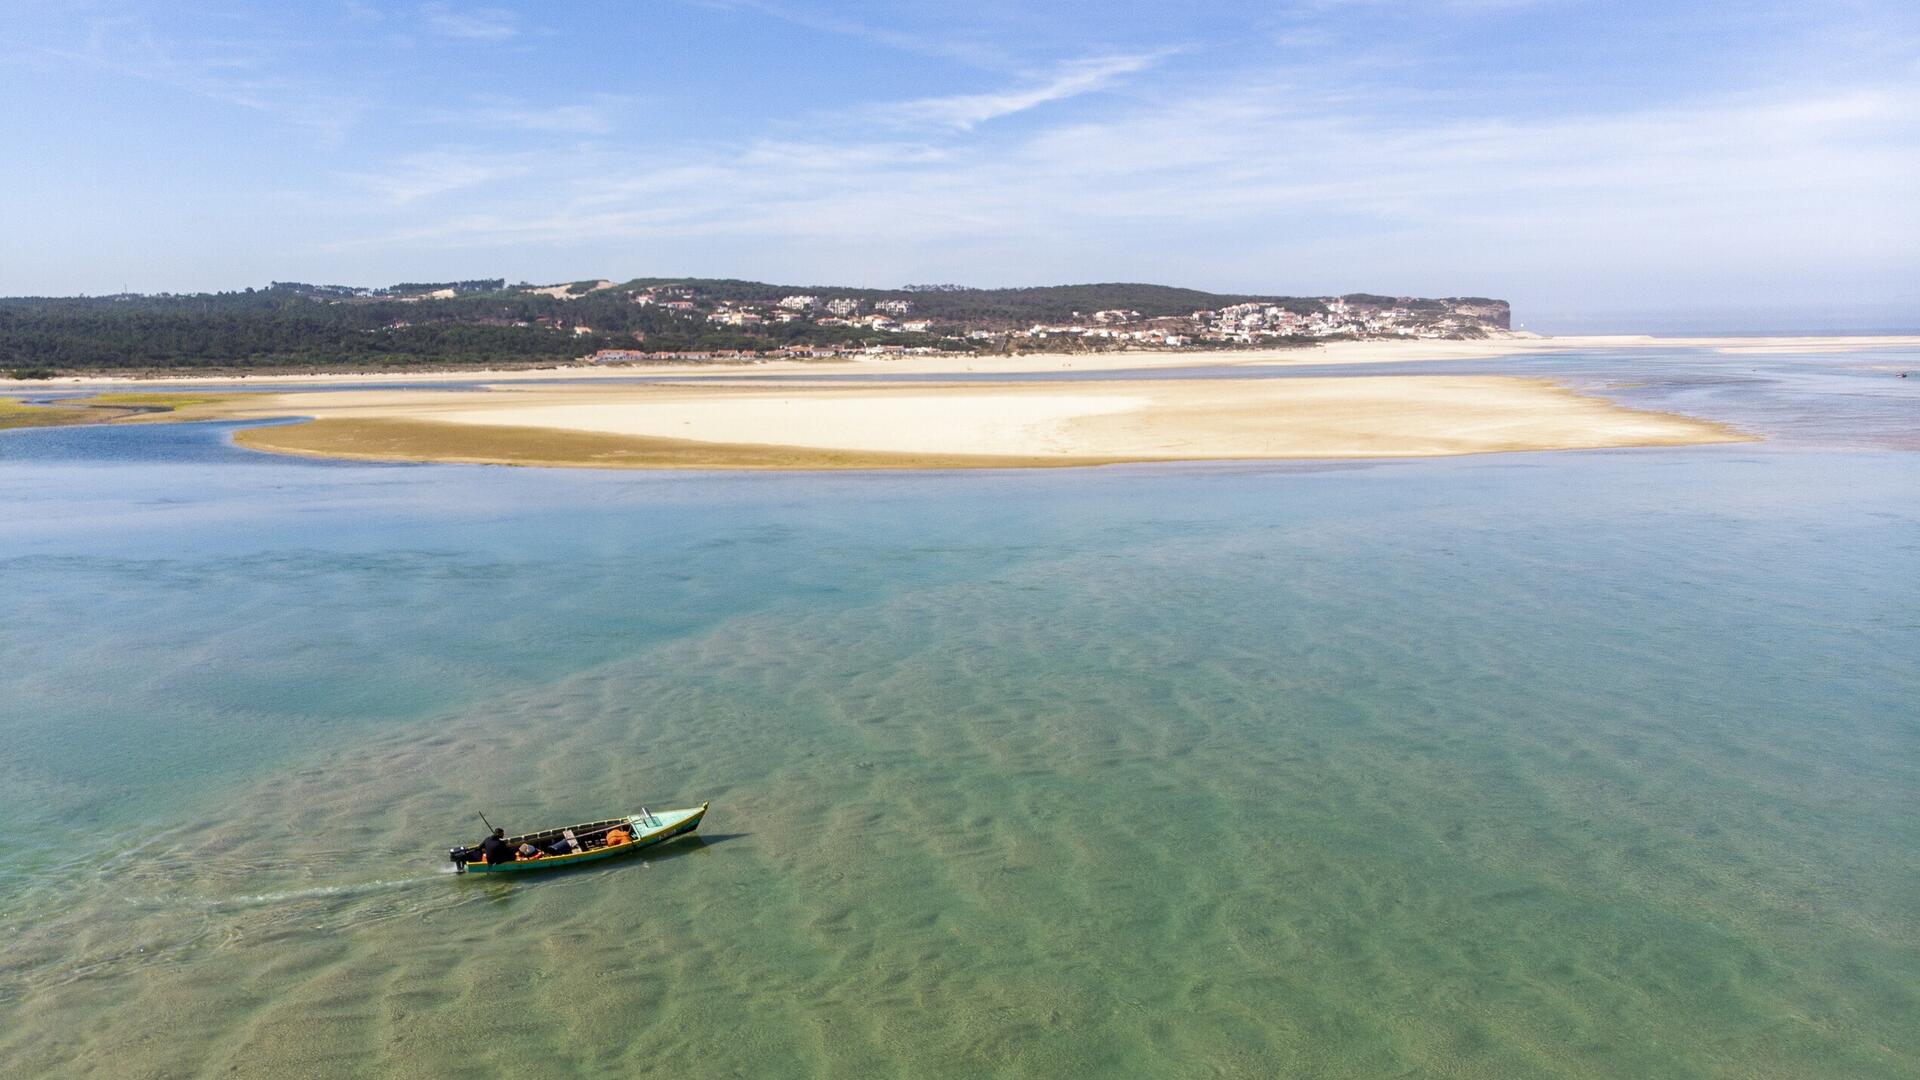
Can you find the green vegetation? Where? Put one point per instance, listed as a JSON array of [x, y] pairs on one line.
[[15, 413], [1009, 307], [164, 401], [96, 408], [484, 322], [79, 412]]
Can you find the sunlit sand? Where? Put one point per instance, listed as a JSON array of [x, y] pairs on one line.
[[816, 425]]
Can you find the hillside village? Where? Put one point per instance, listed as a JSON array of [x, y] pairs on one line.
[[1279, 322], [489, 322]]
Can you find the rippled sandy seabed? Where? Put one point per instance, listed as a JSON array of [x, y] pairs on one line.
[[1590, 764]]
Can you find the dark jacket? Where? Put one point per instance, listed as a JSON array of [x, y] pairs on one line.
[[496, 850]]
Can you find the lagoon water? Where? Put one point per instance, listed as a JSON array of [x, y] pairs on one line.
[[1598, 764]]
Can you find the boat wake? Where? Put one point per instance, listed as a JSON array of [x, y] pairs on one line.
[[317, 892]]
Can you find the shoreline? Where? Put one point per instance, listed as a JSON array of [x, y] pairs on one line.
[[1338, 352]]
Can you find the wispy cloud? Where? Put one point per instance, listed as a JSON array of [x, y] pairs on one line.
[[1308, 149], [470, 23], [240, 74], [595, 117], [1461, 6], [963, 112], [1260, 188], [948, 43], [427, 174]]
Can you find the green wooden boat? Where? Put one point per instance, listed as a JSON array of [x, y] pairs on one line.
[[585, 843]]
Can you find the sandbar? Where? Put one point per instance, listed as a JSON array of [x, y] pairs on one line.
[[837, 425]]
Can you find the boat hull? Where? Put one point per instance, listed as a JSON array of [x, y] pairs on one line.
[[649, 830]]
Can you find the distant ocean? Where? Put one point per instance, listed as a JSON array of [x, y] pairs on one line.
[[1595, 764]]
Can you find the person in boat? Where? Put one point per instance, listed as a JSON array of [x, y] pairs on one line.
[[528, 851], [495, 848]]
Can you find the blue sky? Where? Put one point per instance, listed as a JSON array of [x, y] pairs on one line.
[[1590, 161]]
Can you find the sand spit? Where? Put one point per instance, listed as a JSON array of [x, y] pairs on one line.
[[840, 426], [1339, 352]]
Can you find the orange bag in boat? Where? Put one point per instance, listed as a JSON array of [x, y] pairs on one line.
[[618, 837]]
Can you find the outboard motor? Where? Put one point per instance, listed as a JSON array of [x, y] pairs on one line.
[[460, 857]]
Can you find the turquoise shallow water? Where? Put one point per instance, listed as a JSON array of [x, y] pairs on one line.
[[1596, 764]]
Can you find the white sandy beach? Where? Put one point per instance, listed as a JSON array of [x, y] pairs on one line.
[[818, 425], [1339, 352], [941, 421]]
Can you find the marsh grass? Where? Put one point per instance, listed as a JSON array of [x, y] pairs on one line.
[[15, 413], [101, 408], [151, 400]]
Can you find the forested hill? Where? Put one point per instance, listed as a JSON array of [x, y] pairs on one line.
[[1041, 302], [487, 322]]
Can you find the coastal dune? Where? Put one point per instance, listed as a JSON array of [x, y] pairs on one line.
[[716, 425]]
